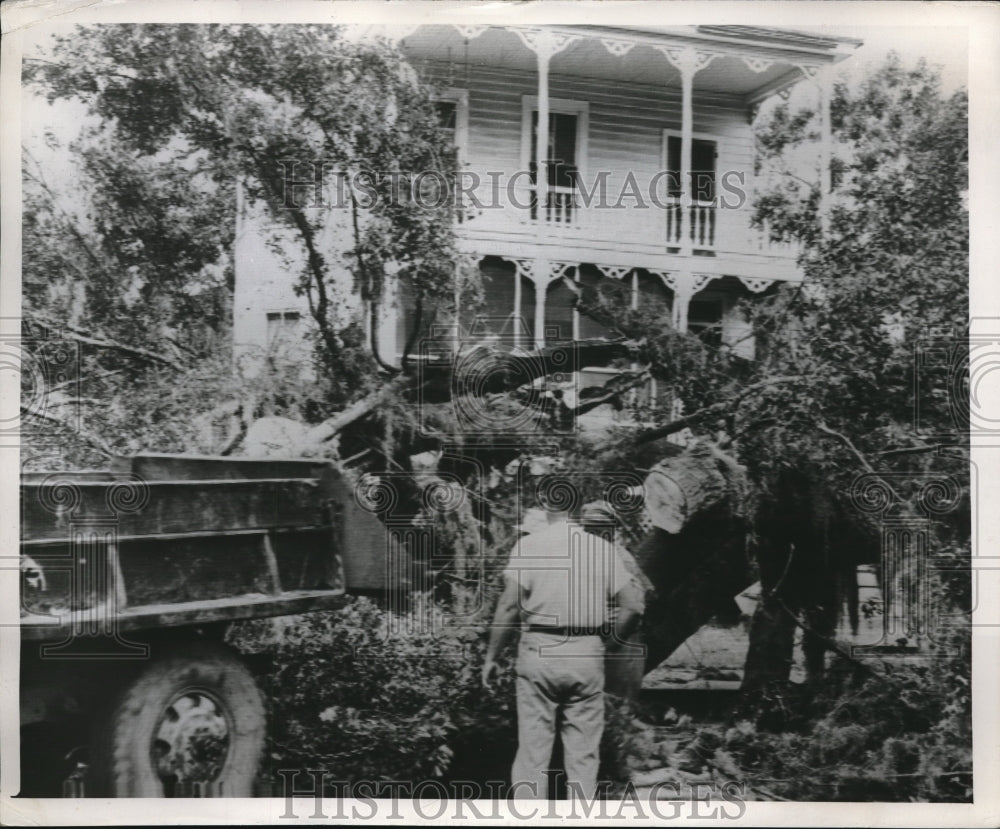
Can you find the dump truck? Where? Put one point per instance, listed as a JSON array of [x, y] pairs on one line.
[[131, 577]]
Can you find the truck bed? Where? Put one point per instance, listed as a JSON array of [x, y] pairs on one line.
[[163, 541]]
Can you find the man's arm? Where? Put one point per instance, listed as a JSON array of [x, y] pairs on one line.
[[629, 605], [504, 626]]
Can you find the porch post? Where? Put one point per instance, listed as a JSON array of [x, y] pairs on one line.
[[517, 307], [683, 291], [389, 312], [541, 279], [456, 337], [576, 313], [687, 66], [687, 60], [545, 43], [826, 148], [544, 54]]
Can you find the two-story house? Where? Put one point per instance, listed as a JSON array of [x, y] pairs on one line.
[[595, 153]]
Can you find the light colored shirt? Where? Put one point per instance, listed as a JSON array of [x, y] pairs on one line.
[[568, 577]]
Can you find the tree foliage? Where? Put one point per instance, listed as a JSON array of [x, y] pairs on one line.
[[833, 382], [180, 117], [135, 267], [889, 272]]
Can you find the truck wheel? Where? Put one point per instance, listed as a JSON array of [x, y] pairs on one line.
[[193, 716]]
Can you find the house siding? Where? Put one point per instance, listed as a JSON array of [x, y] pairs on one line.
[[625, 124], [623, 141], [624, 134]]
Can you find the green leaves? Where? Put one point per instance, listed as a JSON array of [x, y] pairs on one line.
[[892, 267], [370, 696], [138, 246]]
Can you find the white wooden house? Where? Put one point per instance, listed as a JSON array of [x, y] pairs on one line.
[[544, 118]]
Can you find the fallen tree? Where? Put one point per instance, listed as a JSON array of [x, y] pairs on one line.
[[485, 374], [692, 551]]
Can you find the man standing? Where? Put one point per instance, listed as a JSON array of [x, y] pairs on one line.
[[570, 593]]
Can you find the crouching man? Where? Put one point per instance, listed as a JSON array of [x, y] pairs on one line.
[[571, 596]]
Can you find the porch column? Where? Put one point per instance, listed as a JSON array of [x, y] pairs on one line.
[[826, 149], [538, 271], [576, 313], [544, 54], [542, 269], [456, 336], [388, 313], [545, 43], [687, 65], [687, 60], [683, 291], [685, 285], [517, 308]]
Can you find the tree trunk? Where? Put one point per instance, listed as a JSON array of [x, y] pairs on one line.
[[695, 555], [695, 575], [679, 488], [772, 639]]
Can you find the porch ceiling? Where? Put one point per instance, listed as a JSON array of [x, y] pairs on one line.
[[589, 58]]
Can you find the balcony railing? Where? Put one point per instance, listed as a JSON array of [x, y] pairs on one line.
[[702, 223], [561, 210], [567, 216]]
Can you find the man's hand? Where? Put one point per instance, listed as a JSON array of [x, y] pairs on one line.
[[489, 672], [502, 629]]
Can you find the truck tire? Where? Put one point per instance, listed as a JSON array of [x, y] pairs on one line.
[[193, 716]]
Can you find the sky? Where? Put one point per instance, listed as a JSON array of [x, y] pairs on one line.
[[946, 46]]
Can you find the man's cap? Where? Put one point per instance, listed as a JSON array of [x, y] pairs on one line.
[[597, 512]]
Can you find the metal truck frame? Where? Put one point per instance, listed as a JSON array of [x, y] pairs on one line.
[[130, 579]]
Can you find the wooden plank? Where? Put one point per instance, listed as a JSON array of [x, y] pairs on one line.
[[271, 562], [195, 570], [164, 467], [39, 628], [62, 540], [178, 507], [77, 475]]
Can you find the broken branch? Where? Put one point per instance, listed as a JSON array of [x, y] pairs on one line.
[[683, 422], [80, 336], [86, 437]]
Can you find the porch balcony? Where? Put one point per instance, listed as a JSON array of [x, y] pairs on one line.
[[583, 224], [553, 109]]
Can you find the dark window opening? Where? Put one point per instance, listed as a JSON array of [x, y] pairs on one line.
[[705, 320], [498, 315], [447, 112], [654, 295], [608, 294], [703, 155], [559, 302], [282, 327], [561, 156], [562, 166]]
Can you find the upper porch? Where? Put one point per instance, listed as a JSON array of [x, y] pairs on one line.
[[624, 146]]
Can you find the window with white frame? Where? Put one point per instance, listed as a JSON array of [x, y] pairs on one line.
[[284, 329], [452, 106], [703, 165], [565, 157]]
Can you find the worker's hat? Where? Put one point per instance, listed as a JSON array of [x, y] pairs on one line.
[[598, 512]]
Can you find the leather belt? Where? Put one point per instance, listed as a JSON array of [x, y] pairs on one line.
[[567, 631]]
